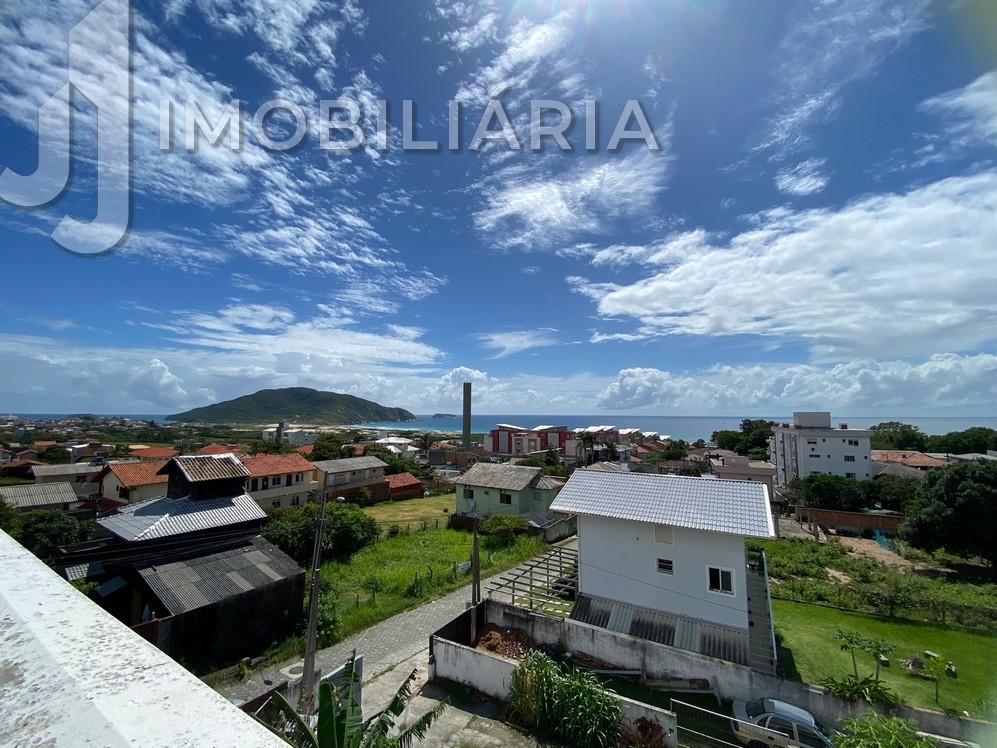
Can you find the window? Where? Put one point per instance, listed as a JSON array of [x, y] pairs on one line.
[[662, 534], [468, 493], [850, 475], [255, 485], [297, 477], [721, 580], [781, 725], [813, 455], [295, 501], [275, 503], [849, 458], [265, 484], [276, 480], [81, 478], [665, 566], [853, 442], [811, 441], [809, 738], [505, 498]]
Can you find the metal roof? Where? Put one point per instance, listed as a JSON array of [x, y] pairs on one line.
[[192, 583], [39, 494], [349, 464], [165, 517], [199, 468], [503, 477], [49, 471], [729, 506]]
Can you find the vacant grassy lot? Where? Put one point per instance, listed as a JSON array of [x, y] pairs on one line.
[[379, 581], [413, 511], [807, 632]]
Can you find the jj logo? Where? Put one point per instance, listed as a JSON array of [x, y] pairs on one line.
[[98, 72]]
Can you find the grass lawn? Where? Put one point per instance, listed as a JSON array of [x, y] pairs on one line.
[[807, 632], [391, 565], [413, 511]]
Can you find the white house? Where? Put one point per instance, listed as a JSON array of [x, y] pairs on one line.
[[663, 557], [811, 446]]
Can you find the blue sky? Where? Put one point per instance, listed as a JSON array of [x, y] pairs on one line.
[[816, 228]]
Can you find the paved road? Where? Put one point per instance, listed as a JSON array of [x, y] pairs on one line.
[[383, 645]]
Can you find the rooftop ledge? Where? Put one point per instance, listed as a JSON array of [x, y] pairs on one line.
[[77, 675]]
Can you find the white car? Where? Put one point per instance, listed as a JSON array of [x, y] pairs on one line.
[[769, 722]]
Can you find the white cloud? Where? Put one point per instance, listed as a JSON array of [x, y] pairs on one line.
[[941, 381], [806, 178], [887, 275], [969, 113], [829, 46], [508, 343]]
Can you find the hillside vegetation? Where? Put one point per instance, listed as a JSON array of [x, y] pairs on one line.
[[299, 404]]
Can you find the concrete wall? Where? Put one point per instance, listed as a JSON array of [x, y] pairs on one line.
[[729, 680], [618, 561], [855, 521], [492, 675]]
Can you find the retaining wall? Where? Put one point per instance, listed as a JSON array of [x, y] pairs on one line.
[[730, 681]]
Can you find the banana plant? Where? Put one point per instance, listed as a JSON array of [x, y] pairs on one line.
[[340, 720]]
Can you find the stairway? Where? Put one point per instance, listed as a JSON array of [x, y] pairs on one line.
[[761, 656]]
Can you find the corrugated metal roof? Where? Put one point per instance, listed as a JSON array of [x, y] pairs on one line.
[[165, 517], [729, 506], [49, 471], [349, 464], [503, 477], [39, 494], [198, 468], [192, 583]]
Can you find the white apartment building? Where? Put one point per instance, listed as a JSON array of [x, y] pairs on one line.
[[811, 446]]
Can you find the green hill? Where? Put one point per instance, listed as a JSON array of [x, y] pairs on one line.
[[297, 404]]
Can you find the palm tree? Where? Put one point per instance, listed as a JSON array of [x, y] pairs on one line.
[[425, 441], [588, 441], [340, 720], [612, 451]]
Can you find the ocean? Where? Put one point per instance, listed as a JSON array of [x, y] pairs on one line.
[[689, 428]]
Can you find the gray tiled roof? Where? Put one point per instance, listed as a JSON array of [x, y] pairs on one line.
[[39, 494], [349, 464], [165, 517], [730, 506], [50, 471], [198, 468], [502, 477], [192, 583]]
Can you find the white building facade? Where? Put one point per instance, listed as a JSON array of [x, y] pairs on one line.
[[810, 445]]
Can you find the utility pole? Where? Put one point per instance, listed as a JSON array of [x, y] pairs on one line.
[[475, 570], [308, 676]]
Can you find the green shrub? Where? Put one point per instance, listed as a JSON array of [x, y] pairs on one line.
[[504, 526], [868, 689]]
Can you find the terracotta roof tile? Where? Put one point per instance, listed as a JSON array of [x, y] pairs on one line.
[[263, 465], [216, 449], [155, 453], [134, 474], [402, 480]]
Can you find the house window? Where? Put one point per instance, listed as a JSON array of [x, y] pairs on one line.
[[850, 475], [468, 493], [721, 580], [505, 498], [265, 484], [275, 503], [849, 458], [276, 480], [297, 477], [813, 455], [665, 566], [853, 442], [295, 501], [662, 534], [255, 485], [811, 441]]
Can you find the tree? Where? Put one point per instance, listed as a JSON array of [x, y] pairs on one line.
[[379, 451], [327, 447], [54, 455], [877, 731], [612, 450], [893, 491], [552, 458], [831, 492], [727, 439], [270, 447], [677, 450], [347, 529], [849, 642], [955, 508], [877, 648], [753, 437], [340, 720], [425, 441], [976, 439], [896, 435], [588, 441], [43, 532], [937, 668], [10, 519]]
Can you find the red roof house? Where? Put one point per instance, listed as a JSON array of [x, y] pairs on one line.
[[403, 486]]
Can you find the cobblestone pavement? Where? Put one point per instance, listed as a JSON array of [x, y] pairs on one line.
[[383, 645]]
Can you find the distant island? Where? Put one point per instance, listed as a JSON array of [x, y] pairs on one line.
[[298, 404], [444, 415]]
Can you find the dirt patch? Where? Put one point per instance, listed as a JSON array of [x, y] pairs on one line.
[[839, 576], [872, 549], [511, 643]]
